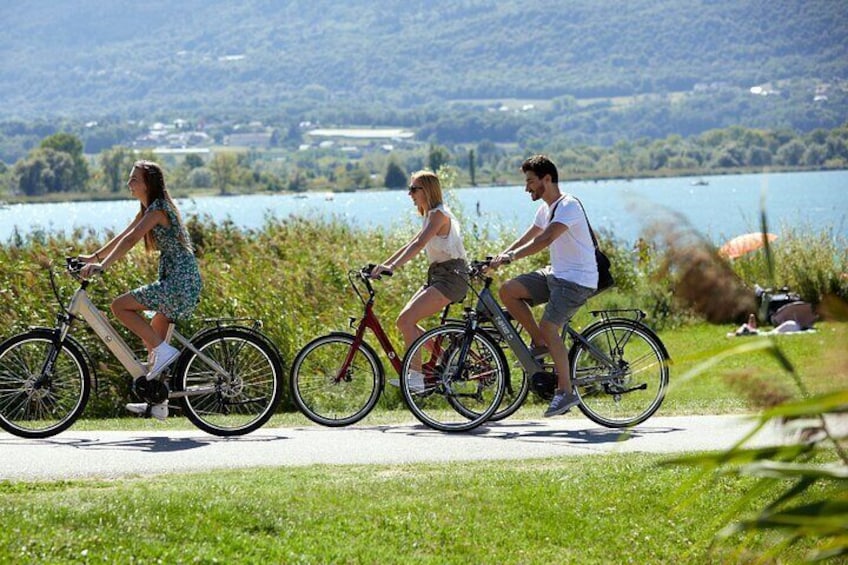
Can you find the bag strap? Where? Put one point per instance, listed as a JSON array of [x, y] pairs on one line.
[[591, 231]]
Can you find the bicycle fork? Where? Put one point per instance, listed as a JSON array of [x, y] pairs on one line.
[[59, 334]]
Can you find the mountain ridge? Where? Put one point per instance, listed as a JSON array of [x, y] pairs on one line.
[[86, 58]]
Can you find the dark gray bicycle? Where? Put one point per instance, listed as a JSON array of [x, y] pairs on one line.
[[619, 367]]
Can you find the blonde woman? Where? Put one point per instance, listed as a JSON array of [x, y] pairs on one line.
[[175, 294], [447, 276]]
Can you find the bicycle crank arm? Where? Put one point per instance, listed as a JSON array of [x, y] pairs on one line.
[[642, 386]]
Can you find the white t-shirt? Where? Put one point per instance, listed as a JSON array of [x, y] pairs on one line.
[[443, 248], [572, 253]]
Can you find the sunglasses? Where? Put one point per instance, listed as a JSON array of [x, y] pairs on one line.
[[413, 188]]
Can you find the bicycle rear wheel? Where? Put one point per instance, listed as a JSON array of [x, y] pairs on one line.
[[463, 379], [238, 400], [622, 375], [323, 394], [38, 401]]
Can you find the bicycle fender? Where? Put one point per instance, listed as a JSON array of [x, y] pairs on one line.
[[212, 329], [259, 335], [631, 323]]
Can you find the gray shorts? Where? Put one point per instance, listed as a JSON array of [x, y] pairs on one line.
[[563, 298], [450, 278]]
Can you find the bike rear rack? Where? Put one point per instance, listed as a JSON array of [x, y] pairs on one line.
[[634, 314]]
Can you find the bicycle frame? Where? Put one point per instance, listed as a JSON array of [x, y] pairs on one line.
[[487, 304], [82, 307], [370, 321]]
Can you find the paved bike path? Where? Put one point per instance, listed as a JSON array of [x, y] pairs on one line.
[[77, 454]]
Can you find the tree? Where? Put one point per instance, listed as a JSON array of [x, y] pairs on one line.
[[471, 167], [791, 153], [44, 171], [395, 176], [223, 167], [193, 161], [437, 156], [72, 145], [116, 164]]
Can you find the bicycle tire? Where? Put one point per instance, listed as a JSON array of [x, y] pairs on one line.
[[32, 410], [514, 397], [323, 398], [629, 391], [454, 398], [246, 397]]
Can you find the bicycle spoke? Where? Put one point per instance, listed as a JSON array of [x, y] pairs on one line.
[[631, 388], [241, 399], [329, 394], [32, 405]]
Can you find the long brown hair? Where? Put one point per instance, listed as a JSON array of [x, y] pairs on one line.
[[154, 179], [432, 189]]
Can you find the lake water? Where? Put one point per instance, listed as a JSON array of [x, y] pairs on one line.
[[723, 207]]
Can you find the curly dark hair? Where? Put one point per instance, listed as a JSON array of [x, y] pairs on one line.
[[541, 165]]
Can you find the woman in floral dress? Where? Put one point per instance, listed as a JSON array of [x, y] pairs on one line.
[[175, 295]]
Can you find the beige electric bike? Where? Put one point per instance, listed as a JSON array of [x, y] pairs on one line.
[[227, 379]]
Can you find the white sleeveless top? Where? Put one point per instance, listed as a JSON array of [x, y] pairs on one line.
[[443, 248]]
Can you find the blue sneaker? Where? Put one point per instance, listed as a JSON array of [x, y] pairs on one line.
[[562, 403]]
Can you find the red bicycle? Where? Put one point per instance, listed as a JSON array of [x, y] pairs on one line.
[[336, 379]]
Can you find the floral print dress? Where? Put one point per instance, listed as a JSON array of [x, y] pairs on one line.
[[177, 291]]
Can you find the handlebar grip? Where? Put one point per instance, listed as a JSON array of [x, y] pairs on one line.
[[366, 272], [74, 264]]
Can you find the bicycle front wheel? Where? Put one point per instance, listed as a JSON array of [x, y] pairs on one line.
[[620, 374], [460, 382], [233, 385], [38, 400], [328, 393]]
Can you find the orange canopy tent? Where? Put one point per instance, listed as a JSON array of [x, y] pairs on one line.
[[742, 244]]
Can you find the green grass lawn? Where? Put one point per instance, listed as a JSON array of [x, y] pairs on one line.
[[598, 509]]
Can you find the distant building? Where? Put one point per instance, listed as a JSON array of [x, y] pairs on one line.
[[257, 139], [378, 134]]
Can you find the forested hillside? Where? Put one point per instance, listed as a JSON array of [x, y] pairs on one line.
[[94, 57]]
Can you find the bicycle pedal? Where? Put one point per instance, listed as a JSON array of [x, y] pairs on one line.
[[153, 392], [544, 384]]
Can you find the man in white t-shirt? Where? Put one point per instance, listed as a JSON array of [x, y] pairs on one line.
[[560, 225]]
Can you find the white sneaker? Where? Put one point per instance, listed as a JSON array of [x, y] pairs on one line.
[[164, 355], [158, 411]]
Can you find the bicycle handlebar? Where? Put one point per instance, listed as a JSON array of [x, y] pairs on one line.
[[478, 267], [365, 272]]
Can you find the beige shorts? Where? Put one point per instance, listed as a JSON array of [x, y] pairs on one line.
[[450, 278]]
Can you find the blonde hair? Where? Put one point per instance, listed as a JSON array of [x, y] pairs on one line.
[[432, 190]]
